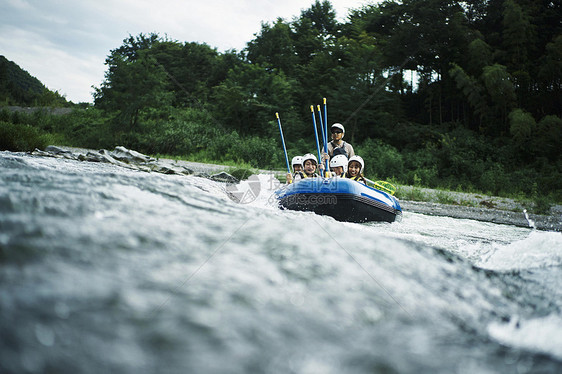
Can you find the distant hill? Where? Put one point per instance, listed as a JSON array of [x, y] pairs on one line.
[[18, 87]]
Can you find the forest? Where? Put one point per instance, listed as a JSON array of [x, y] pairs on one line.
[[464, 95]]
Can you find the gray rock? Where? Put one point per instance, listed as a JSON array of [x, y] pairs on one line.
[[164, 169], [56, 150], [129, 156], [56, 153], [224, 177], [93, 157], [38, 152], [202, 175], [107, 157]]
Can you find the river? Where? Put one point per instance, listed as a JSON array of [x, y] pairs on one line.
[[110, 270]]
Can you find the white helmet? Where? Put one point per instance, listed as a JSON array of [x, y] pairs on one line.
[[309, 156], [297, 160], [338, 126], [359, 159], [339, 160]]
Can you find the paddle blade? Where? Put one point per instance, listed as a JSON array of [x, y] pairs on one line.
[[385, 186]]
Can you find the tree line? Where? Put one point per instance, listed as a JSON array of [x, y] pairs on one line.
[[458, 94]]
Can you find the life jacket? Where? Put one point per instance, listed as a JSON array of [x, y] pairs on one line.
[[301, 175], [339, 150], [358, 178], [298, 175]]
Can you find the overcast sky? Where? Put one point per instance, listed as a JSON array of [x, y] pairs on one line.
[[64, 43]]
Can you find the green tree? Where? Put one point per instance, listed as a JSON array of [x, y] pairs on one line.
[[518, 40], [550, 78], [480, 55], [314, 30], [473, 91], [518, 35], [522, 126], [248, 98], [500, 90], [547, 139], [274, 48], [134, 81], [191, 70]]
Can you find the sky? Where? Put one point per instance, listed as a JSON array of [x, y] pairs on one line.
[[64, 43]]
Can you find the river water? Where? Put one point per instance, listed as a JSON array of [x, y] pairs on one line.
[[104, 269]]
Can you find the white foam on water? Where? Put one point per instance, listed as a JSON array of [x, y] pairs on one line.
[[540, 249], [539, 334]]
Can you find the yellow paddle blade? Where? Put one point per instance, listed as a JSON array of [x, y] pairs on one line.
[[385, 186]]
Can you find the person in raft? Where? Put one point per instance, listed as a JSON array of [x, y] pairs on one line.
[[296, 164], [355, 169], [338, 146], [309, 163], [338, 165]]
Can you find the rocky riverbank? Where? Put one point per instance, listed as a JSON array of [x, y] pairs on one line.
[[551, 222], [459, 205]]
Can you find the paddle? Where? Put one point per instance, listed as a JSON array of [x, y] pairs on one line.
[[324, 136], [315, 132], [326, 130], [383, 186], [321, 125], [283, 141]]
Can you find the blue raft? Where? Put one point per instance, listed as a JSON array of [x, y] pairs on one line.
[[340, 198]]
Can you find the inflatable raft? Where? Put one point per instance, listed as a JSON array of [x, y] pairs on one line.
[[340, 198]]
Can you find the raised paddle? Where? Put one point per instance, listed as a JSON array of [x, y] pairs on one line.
[[283, 141]]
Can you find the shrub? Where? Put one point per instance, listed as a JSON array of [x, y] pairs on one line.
[[21, 138], [542, 205], [522, 125], [445, 198], [256, 151], [381, 159], [241, 173], [494, 179], [547, 140]]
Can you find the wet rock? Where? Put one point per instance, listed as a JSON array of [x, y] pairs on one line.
[[129, 156], [38, 152], [123, 157], [93, 157], [172, 169], [224, 177], [186, 171], [163, 169], [52, 151], [108, 157], [56, 150]]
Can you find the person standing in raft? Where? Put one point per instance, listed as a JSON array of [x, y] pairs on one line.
[[310, 163], [355, 168], [338, 146]]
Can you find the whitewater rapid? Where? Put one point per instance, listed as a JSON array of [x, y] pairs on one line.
[[105, 269]]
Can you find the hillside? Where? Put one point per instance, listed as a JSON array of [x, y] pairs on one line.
[[18, 87]]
